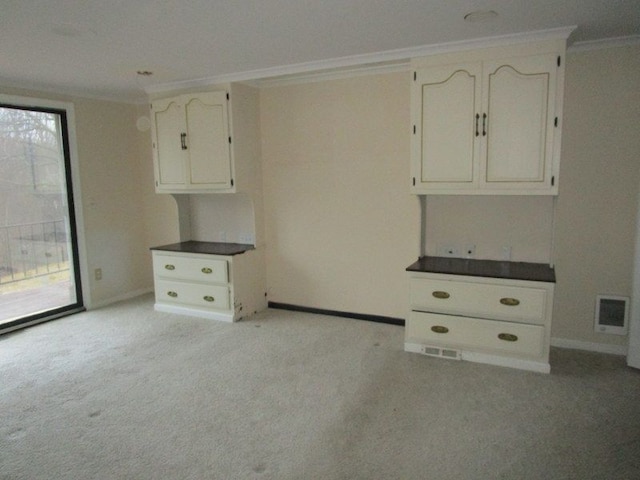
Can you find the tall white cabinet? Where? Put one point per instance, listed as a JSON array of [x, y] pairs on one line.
[[487, 122], [206, 148]]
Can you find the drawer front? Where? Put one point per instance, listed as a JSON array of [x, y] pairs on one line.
[[506, 302], [187, 268], [197, 295], [475, 334]]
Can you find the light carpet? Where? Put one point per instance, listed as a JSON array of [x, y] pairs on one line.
[[124, 392]]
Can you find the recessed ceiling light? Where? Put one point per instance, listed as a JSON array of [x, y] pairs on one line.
[[480, 16]]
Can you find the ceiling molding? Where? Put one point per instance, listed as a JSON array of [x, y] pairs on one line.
[[605, 43], [34, 88], [355, 63], [335, 74]]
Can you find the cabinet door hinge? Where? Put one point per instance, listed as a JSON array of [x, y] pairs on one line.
[[555, 122], [559, 60], [553, 181]]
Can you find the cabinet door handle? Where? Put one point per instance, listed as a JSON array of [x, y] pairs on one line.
[[170, 267], [209, 298], [172, 294], [439, 329], [183, 141], [441, 295], [484, 124], [510, 302], [477, 122], [508, 337], [206, 270]]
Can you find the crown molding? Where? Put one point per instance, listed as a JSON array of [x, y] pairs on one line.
[[69, 93], [362, 63], [335, 74], [605, 43]]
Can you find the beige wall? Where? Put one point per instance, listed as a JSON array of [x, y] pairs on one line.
[[524, 224], [599, 179], [341, 225], [116, 181]]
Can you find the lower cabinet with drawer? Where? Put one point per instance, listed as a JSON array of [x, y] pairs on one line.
[[218, 287], [500, 321]]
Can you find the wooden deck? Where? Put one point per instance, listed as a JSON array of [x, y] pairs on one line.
[[29, 297]]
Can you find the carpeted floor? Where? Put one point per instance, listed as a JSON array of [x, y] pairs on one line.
[[124, 392]]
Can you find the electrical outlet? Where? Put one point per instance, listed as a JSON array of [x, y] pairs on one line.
[[469, 250], [222, 236], [506, 253], [448, 251], [97, 273]]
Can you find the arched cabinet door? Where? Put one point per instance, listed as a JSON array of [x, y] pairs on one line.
[[208, 140], [444, 143], [168, 123], [520, 103]]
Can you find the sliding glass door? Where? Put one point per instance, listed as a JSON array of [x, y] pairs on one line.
[[39, 270]]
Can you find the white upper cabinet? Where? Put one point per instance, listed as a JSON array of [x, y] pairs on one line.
[[487, 125], [191, 143]]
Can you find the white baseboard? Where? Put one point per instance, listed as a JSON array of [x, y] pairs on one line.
[[590, 346], [532, 366], [119, 298]]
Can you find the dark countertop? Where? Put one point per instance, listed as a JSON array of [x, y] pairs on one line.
[[210, 248], [536, 272]]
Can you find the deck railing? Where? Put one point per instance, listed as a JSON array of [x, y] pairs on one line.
[[33, 249]]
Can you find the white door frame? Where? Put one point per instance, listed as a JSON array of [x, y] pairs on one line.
[[75, 179], [633, 357]]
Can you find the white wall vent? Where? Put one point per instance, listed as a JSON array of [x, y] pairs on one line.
[[612, 314], [440, 352]]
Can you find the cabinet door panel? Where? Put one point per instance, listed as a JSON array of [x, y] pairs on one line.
[[520, 128], [169, 123], [208, 140], [447, 124]]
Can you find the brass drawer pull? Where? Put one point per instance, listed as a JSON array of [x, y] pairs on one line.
[[440, 294], [510, 302], [206, 270], [172, 294], [170, 267], [439, 329], [508, 337], [209, 298]]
